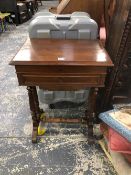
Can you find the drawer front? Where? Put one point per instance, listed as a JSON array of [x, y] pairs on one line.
[[48, 81], [46, 70], [68, 77]]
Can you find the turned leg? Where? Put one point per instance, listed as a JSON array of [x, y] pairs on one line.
[[36, 101], [35, 111], [91, 112]]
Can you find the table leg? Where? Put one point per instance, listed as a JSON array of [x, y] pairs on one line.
[[35, 111], [91, 113], [36, 101]]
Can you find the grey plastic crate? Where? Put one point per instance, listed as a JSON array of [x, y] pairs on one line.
[[46, 25], [50, 97]]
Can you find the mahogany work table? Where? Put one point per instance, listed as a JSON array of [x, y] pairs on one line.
[[61, 65]]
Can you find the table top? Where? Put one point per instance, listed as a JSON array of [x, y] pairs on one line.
[[62, 52]]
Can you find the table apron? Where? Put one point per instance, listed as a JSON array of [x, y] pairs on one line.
[[81, 81]]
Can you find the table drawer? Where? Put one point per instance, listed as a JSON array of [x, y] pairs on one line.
[[35, 80], [46, 70]]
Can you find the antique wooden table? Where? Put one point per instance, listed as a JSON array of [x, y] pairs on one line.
[[61, 65]]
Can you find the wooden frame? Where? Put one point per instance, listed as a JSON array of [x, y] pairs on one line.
[[118, 84]]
